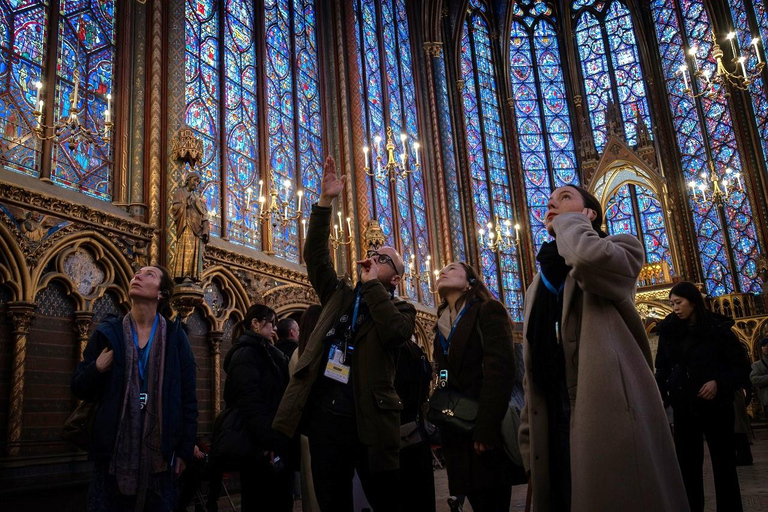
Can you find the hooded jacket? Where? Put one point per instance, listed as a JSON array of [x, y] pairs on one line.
[[179, 428]]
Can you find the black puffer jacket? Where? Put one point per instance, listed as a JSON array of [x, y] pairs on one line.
[[257, 375], [690, 356]]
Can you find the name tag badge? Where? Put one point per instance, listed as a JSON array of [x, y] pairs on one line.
[[143, 400], [335, 369]]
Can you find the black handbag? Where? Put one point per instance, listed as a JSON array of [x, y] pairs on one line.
[[453, 412], [78, 427], [232, 447]]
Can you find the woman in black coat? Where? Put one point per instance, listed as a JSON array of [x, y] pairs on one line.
[[699, 365], [257, 375], [140, 371], [483, 369]]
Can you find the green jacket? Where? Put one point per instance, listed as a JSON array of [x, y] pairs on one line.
[[389, 324]]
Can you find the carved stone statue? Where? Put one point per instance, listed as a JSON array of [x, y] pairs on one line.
[[190, 216]]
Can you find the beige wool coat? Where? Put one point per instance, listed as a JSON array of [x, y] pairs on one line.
[[622, 453]]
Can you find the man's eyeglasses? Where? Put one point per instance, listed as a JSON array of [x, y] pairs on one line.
[[382, 259]]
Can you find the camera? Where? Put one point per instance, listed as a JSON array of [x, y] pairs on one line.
[[276, 463]]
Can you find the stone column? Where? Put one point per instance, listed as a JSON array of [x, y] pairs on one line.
[[215, 338], [22, 314]]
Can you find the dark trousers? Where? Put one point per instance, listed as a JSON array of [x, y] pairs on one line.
[[262, 488], [717, 427], [496, 499], [190, 480], [336, 453], [417, 481]]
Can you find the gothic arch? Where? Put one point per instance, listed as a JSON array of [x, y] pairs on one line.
[[232, 288], [117, 270], [13, 267], [620, 166], [290, 298]]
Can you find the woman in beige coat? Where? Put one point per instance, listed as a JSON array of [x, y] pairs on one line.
[[594, 435]]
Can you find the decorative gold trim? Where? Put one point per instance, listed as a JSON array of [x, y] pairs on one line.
[[229, 259], [155, 125], [66, 210]]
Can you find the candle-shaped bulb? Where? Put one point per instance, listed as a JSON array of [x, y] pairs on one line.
[[742, 61], [377, 140], [416, 147], [349, 226], [248, 201], [755, 41], [39, 86], [730, 35], [403, 138], [304, 227], [365, 152], [692, 51]]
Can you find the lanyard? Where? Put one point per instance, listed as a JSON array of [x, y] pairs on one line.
[[353, 326], [550, 286], [143, 357], [446, 343]]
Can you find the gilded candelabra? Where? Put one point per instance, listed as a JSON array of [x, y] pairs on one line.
[[71, 124], [276, 206], [721, 188], [392, 168], [723, 76], [498, 237]]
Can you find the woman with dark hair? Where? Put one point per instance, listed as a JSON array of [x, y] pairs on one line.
[[474, 356], [593, 434], [141, 370], [257, 375], [700, 364]]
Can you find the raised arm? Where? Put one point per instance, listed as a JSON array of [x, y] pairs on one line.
[[317, 255], [604, 266]]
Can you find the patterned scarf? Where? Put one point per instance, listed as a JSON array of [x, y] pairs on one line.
[[137, 455]]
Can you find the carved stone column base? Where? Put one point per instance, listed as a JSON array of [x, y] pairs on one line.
[[187, 295]]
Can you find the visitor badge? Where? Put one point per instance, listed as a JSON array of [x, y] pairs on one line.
[[335, 369]]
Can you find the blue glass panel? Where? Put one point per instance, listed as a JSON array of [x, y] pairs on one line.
[[653, 227], [449, 160], [619, 213], [490, 181], [594, 67], [87, 34], [241, 123], [307, 76], [202, 62], [23, 31], [688, 129], [626, 66]]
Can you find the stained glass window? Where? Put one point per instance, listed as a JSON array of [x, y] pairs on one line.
[[543, 120], [86, 73], [449, 159], [23, 32], [387, 83], [293, 118], [487, 158], [701, 139], [631, 205], [743, 24], [202, 63], [610, 66], [241, 121]]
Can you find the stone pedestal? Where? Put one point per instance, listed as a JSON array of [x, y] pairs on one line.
[[187, 295]]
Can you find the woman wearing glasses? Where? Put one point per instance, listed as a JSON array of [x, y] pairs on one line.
[[474, 354], [257, 375]]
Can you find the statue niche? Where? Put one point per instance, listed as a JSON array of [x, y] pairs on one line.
[[189, 213]]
